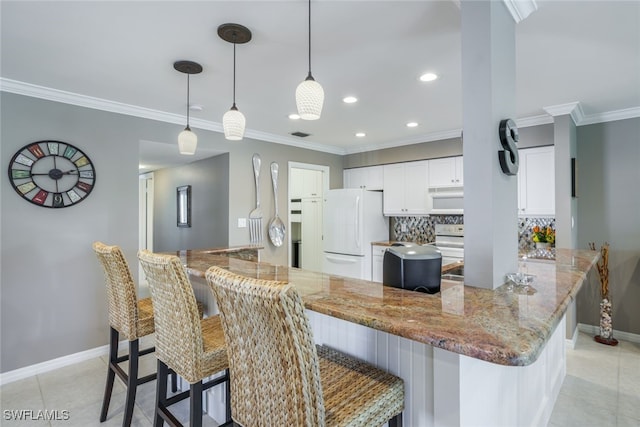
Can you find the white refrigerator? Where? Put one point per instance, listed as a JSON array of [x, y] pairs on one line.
[[353, 219]]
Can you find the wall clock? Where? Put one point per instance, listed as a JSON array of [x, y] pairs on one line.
[[52, 174]]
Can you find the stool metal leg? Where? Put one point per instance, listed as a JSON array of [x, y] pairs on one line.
[[161, 394], [195, 397], [396, 421], [132, 383], [111, 373]]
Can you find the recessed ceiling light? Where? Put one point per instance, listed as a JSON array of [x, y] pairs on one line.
[[428, 77], [294, 116], [349, 99], [361, 134], [412, 124]]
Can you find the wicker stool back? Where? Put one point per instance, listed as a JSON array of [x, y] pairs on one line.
[[128, 316], [278, 373], [194, 348]]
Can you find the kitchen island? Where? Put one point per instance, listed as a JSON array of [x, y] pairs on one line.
[[469, 356]]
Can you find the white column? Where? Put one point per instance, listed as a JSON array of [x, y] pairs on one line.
[[488, 94], [565, 117]]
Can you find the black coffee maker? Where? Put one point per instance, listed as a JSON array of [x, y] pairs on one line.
[[412, 267]]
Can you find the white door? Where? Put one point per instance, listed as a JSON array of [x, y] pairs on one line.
[[311, 234], [145, 222]]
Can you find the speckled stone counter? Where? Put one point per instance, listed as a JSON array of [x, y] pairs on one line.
[[245, 252], [498, 326]]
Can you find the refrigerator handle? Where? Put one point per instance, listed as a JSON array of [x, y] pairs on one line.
[[341, 260], [357, 213]]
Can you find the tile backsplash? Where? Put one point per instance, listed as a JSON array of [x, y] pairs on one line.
[[421, 229]]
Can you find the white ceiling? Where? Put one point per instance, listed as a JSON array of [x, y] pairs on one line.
[[567, 51]]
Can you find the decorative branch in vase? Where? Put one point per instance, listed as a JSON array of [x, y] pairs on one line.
[[606, 327]]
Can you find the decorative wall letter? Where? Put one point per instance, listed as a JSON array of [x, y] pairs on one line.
[[508, 138]]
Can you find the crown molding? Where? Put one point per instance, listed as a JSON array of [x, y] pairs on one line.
[[430, 137], [520, 9], [42, 92], [309, 145], [574, 109], [611, 116], [35, 91], [542, 119]]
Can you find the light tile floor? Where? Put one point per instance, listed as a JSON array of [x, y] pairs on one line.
[[601, 389]]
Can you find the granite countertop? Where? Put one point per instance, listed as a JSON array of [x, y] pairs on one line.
[[221, 250], [499, 326], [391, 242]]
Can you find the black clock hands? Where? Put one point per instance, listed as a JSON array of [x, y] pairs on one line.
[[59, 172]]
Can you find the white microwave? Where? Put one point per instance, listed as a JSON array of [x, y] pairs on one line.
[[446, 201]]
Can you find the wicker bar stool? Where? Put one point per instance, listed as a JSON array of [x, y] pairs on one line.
[[194, 348], [280, 377], [130, 317]]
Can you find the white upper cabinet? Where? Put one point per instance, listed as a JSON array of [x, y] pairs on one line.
[[406, 188], [446, 172], [305, 183], [536, 182], [370, 178]]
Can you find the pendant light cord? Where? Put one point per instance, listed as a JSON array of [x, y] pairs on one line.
[[310, 40], [188, 75], [234, 70]]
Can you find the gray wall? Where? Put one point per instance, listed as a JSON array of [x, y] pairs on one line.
[[209, 181], [241, 187], [532, 136], [53, 301], [52, 294], [609, 211]]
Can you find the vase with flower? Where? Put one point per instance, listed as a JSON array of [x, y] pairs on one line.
[[543, 237]]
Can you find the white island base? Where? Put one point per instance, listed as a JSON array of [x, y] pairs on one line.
[[444, 389]]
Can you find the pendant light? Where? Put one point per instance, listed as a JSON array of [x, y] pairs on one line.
[[233, 121], [309, 93], [187, 140]]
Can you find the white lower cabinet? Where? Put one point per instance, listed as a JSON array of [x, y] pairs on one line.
[[536, 182], [377, 257]]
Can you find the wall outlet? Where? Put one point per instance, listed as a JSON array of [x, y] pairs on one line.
[[403, 228], [242, 222]]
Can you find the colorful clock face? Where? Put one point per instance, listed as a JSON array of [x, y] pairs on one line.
[[52, 174]]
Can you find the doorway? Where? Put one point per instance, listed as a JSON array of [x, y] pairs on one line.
[[145, 223], [307, 185]]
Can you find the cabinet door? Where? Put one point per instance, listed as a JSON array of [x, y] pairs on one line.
[[536, 181], [311, 234], [295, 183], [416, 178], [442, 172], [311, 183], [354, 178], [374, 178], [377, 258], [393, 186], [369, 177]]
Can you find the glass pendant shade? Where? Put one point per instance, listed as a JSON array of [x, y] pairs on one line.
[[309, 99], [233, 123], [187, 142]]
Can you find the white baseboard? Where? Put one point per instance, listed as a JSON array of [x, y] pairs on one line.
[[50, 365], [571, 342], [595, 330]]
